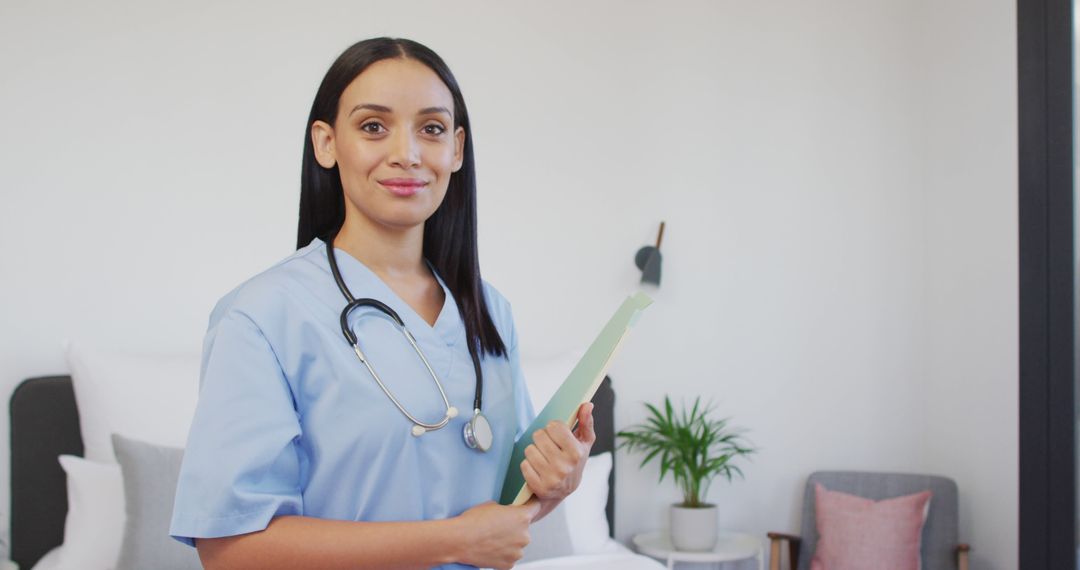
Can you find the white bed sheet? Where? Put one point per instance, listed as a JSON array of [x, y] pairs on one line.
[[622, 559]]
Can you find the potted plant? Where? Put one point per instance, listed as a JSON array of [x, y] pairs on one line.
[[695, 448]]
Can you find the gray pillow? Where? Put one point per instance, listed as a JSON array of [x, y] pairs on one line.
[[150, 473]]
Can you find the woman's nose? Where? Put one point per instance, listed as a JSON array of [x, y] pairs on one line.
[[404, 151]]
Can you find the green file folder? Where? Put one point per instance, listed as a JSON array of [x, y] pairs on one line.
[[578, 388]]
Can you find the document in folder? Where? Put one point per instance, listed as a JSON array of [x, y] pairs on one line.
[[578, 388]]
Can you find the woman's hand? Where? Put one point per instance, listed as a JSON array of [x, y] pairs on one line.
[[495, 535], [555, 459]]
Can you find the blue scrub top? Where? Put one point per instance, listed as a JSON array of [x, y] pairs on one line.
[[290, 422]]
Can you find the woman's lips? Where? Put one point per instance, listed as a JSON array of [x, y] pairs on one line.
[[403, 186]]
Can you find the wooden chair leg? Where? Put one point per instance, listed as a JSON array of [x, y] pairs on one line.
[[962, 556], [793, 543], [774, 555]]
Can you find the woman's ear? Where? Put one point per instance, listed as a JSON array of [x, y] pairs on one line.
[[322, 140], [459, 148]]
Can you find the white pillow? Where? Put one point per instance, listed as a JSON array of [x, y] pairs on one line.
[[586, 518], [147, 397], [50, 561], [94, 527], [544, 375], [582, 514]]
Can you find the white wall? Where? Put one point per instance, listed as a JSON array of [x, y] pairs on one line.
[[971, 334], [799, 152]]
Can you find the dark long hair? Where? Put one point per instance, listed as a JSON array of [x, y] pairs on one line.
[[449, 234]]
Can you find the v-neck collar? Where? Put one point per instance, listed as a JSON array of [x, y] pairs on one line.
[[361, 281]]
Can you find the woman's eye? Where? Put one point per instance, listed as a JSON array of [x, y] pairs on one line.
[[371, 128], [434, 129]]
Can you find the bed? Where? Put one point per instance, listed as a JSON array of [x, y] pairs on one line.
[[45, 424]]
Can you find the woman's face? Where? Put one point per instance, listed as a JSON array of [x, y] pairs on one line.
[[394, 142]]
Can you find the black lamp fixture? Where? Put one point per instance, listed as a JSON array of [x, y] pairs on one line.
[[648, 260]]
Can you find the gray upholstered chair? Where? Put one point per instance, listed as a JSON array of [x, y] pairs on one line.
[[940, 548]]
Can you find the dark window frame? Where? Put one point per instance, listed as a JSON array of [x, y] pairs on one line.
[[1047, 385]]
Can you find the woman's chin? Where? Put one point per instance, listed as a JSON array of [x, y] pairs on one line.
[[399, 214], [404, 221]]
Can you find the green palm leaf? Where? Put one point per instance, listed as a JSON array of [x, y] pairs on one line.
[[689, 444]]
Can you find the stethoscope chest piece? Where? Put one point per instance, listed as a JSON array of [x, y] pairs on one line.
[[478, 434]]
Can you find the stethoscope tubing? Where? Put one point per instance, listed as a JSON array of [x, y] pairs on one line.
[[350, 336], [428, 426]]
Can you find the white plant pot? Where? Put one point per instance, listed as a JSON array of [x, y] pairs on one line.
[[693, 529]]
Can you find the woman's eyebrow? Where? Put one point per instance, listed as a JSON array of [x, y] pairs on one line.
[[433, 110], [385, 109], [371, 106]]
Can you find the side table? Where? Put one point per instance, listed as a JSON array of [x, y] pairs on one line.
[[729, 547]]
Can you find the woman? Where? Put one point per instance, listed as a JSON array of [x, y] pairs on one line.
[[308, 451]]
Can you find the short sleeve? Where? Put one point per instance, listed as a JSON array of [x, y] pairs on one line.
[[241, 466]]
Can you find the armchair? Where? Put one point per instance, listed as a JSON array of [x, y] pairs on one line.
[[940, 548]]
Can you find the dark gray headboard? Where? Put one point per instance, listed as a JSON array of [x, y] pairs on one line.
[[604, 424], [45, 424]]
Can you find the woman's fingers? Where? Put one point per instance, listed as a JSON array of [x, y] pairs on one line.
[[545, 439], [554, 460], [532, 506], [586, 428], [535, 455], [532, 478]]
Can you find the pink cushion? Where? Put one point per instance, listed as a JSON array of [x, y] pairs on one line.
[[856, 533]]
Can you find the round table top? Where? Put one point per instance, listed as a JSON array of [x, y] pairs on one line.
[[729, 546]]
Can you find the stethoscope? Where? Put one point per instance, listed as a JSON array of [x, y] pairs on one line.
[[477, 431]]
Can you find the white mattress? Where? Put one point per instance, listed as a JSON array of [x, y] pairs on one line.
[[623, 559], [619, 561]]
